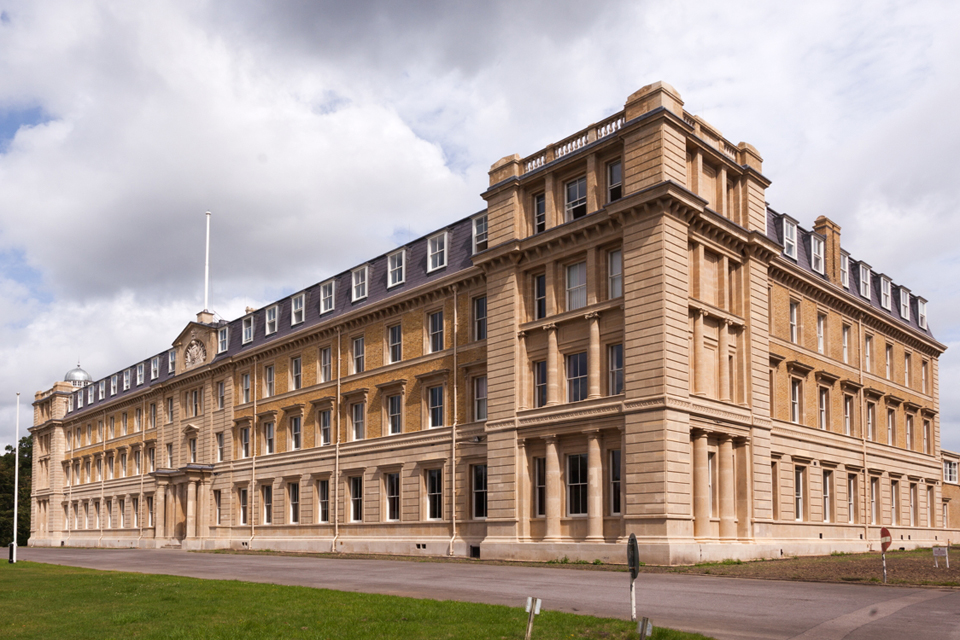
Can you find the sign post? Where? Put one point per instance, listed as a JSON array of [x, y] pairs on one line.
[[533, 608], [633, 560], [940, 552], [885, 540]]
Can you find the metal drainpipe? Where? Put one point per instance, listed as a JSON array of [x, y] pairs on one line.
[[336, 458], [252, 491], [103, 472], [863, 432], [453, 435], [73, 481]]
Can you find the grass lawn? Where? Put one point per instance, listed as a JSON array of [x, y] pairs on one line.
[[50, 601]]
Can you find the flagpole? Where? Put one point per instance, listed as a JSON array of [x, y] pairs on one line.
[[206, 270], [16, 482]]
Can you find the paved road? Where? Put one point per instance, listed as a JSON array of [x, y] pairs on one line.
[[724, 608]]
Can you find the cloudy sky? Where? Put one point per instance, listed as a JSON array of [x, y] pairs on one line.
[[323, 133]]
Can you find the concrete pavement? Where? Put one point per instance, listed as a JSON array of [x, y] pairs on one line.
[[725, 608]]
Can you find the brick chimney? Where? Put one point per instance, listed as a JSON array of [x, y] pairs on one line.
[[830, 230]]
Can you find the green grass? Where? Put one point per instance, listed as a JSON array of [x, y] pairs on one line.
[[49, 601]]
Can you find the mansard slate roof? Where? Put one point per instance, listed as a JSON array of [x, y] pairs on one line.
[[459, 257], [804, 249]]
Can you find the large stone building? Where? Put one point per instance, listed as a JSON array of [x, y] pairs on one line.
[[626, 339]]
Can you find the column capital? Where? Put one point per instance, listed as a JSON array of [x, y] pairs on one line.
[[593, 315], [521, 334], [699, 433], [593, 434], [550, 327], [521, 443], [725, 437], [551, 439]]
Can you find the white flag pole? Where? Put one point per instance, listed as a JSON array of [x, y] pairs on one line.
[[16, 481], [206, 270]]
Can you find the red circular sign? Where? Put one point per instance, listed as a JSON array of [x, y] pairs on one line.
[[885, 538]]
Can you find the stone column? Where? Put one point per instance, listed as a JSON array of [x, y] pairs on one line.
[[594, 488], [524, 494], [523, 369], [724, 349], [552, 356], [593, 356], [728, 513], [191, 530], [160, 495], [701, 486], [699, 355], [553, 490]]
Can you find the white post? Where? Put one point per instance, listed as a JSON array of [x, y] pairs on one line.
[[16, 480], [206, 270], [633, 600]]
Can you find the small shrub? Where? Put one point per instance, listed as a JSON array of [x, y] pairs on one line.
[[598, 562]]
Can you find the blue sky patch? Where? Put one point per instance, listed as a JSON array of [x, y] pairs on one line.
[[12, 119]]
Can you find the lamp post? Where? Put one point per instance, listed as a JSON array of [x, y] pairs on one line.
[[16, 483]]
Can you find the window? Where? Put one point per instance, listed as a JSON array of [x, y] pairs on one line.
[[827, 495], [790, 238], [395, 268], [848, 415], [135, 511], [437, 252], [540, 383], [359, 290], [894, 501], [296, 373], [577, 377], [122, 508], [269, 438], [325, 427], [909, 429], [101, 389], [326, 296], [576, 286], [171, 362], [615, 490], [480, 398], [266, 497], [326, 368], [79, 399], [137, 422], [615, 359], [358, 355], [196, 397], [395, 413], [844, 270], [539, 297], [269, 381], [794, 319], [245, 387], [798, 493], [113, 385], [823, 408], [154, 372], [930, 506], [391, 483], [885, 293], [357, 413], [434, 494], [846, 344], [479, 491], [576, 198], [889, 360], [356, 499], [123, 466], [891, 427], [480, 233], [217, 507], [297, 308], [395, 342], [435, 406], [871, 421], [193, 451], [293, 497], [950, 471], [244, 442], [904, 304], [126, 380], [169, 456], [914, 505], [906, 369], [540, 485], [796, 399], [90, 394], [323, 499], [927, 439], [614, 181], [577, 484], [867, 353], [123, 424], [242, 499], [615, 274], [220, 447], [922, 313], [436, 331], [821, 327], [923, 376], [296, 433], [247, 324], [271, 324], [221, 394], [817, 246], [539, 213], [851, 498], [140, 374], [865, 280], [480, 318]]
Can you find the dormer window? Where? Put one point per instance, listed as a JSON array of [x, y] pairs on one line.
[[102, 389], [576, 191], [865, 280], [223, 339], [885, 293], [396, 270], [271, 325], [126, 380], [172, 362], [790, 238], [817, 254], [140, 374], [359, 289], [69, 404], [922, 313], [844, 270], [326, 296], [90, 395], [113, 385], [155, 368], [480, 233], [247, 329], [297, 308], [904, 304], [79, 399], [437, 252]]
